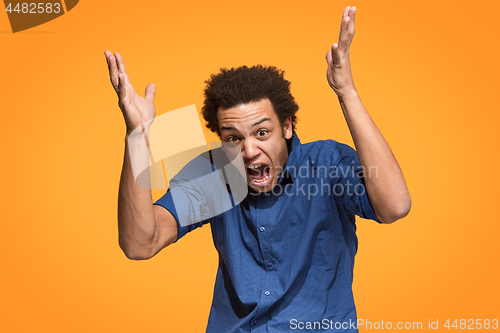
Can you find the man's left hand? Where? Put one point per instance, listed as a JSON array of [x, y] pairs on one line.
[[339, 66]]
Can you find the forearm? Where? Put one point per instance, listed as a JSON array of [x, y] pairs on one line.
[[384, 180], [136, 218]]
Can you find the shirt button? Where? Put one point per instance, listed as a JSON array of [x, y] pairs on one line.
[[269, 263], [255, 322], [267, 293], [262, 229]]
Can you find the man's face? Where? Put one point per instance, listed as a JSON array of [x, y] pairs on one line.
[[255, 128]]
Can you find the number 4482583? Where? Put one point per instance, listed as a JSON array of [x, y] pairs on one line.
[[471, 324], [34, 8]]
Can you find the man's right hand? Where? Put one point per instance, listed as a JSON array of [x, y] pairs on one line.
[[136, 110]]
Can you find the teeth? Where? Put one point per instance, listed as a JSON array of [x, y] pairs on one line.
[[255, 166], [259, 181]]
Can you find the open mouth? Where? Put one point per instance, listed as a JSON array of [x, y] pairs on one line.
[[259, 174]]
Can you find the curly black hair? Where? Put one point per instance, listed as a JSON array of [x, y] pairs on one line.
[[235, 86]]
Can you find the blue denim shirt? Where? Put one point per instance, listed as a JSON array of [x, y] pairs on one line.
[[286, 257]]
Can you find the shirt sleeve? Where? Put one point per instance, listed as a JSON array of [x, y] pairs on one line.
[[167, 202], [350, 184], [198, 192], [185, 198]]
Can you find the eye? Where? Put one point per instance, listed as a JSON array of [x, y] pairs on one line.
[[232, 138], [261, 133]]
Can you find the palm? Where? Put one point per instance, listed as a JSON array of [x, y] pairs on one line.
[[136, 109], [339, 67]]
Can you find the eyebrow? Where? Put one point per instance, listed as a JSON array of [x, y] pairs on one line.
[[222, 128], [261, 121]]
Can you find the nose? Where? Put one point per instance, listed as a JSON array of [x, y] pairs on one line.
[[249, 150]]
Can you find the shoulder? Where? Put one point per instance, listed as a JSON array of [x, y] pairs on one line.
[[324, 151], [201, 165]]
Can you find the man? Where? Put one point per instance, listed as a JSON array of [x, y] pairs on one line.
[[286, 252]]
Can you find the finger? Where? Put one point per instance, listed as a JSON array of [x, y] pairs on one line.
[[121, 87], [346, 11], [344, 36], [150, 92], [335, 55], [113, 71], [121, 66], [329, 56], [352, 16], [107, 54]]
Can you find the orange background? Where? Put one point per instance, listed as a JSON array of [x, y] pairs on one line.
[[427, 72]]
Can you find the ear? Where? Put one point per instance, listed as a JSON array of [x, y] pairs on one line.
[[287, 128]]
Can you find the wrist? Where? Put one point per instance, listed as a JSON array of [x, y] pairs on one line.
[[347, 93], [139, 133]]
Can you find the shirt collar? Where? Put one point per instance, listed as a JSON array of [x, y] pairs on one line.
[[295, 142], [287, 176]]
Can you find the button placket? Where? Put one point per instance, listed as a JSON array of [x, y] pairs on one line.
[[266, 247]]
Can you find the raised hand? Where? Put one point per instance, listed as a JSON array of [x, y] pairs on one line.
[[136, 109], [339, 66]]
